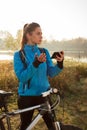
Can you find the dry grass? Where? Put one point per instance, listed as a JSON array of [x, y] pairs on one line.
[[72, 82]]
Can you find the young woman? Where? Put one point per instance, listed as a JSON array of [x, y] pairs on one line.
[[39, 67]]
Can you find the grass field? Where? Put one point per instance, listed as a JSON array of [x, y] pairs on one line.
[[72, 82]]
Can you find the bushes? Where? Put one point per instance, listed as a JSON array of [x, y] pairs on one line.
[[82, 71], [70, 76], [8, 80]]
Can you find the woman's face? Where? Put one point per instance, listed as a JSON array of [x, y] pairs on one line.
[[35, 36]]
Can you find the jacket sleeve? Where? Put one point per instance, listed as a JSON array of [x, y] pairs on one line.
[[52, 70], [22, 74]]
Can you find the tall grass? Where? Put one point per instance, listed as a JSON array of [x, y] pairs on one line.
[[72, 82]]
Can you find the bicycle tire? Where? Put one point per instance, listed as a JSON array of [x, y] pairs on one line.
[[2, 125], [69, 127]]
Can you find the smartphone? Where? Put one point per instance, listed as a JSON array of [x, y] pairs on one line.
[[56, 53]]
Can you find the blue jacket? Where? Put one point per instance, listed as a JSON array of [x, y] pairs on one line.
[[39, 76]]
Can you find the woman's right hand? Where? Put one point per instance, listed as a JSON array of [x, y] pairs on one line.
[[42, 57], [39, 59]]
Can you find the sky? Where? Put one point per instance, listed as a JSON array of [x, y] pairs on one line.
[[59, 19]]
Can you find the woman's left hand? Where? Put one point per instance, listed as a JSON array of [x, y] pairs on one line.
[[61, 58]]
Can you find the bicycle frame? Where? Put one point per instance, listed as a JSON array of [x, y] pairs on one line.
[[35, 121], [43, 109], [10, 114]]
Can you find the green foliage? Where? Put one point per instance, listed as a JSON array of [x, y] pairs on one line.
[[18, 39], [9, 42]]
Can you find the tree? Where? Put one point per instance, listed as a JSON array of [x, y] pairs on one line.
[[9, 41], [18, 39]]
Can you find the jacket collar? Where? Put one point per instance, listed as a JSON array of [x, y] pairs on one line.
[[29, 46]]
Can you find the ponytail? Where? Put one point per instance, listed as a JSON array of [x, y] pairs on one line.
[[24, 40]]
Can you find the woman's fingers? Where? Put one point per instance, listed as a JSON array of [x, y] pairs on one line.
[[42, 57], [60, 58], [62, 54]]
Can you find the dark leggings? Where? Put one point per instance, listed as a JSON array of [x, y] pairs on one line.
[[26, 117]]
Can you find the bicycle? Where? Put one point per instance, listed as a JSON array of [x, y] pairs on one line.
[[42, 109], [3, 104]]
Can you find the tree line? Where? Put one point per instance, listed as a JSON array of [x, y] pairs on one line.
[[8, 42]]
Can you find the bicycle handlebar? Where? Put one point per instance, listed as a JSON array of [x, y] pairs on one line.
[[51, 91]]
